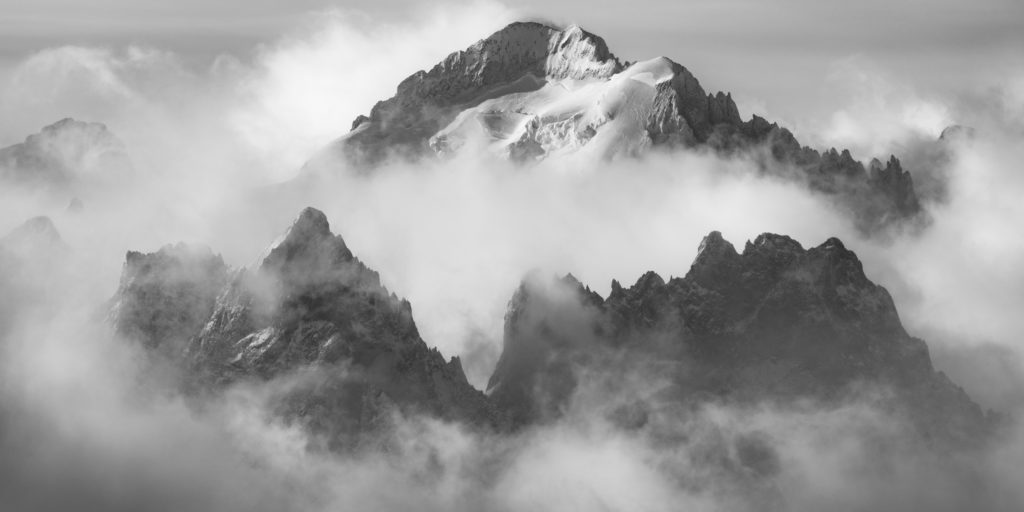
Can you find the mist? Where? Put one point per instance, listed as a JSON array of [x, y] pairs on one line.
[[91, 421]]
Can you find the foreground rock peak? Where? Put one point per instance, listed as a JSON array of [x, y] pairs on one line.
[[308, 308], [774, 322]]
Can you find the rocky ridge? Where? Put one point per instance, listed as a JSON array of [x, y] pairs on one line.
[[775, 322], [310, 316]]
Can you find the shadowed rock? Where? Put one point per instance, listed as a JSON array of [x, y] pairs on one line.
[[776, 322], [165, 297], [342, 353]]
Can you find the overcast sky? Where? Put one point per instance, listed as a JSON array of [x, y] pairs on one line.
[[779, 56]]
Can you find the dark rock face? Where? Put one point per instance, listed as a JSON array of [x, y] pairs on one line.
[[776, 322], [547, 326], [685, 114], [311, 314], [165, 297], [63, 154]]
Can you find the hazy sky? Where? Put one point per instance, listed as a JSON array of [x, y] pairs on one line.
[[778, 55]]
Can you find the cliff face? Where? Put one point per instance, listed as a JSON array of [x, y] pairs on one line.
[[776, 322], [166, 296], [311, 314], [876, 197]]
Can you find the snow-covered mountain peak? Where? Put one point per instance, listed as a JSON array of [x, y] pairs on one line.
[[531, 92]]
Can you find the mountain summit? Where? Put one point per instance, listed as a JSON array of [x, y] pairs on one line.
[[531, 91], [520, 58]]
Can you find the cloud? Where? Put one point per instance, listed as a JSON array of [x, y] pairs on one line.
[[262, 114], [455, 237], [880, 113], [306, 89]]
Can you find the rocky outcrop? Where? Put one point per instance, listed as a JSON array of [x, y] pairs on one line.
[[64, 154], [893, 191], [165, 297], [775, 322], [310, 317], [684, 108]]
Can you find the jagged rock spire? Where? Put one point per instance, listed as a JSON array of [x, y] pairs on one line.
[[324, 312], [716, 259], [309, 253], [777, 321]]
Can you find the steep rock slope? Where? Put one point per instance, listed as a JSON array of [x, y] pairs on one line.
[[776, 322], [530, 91], [311, 315], [165, 297]]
